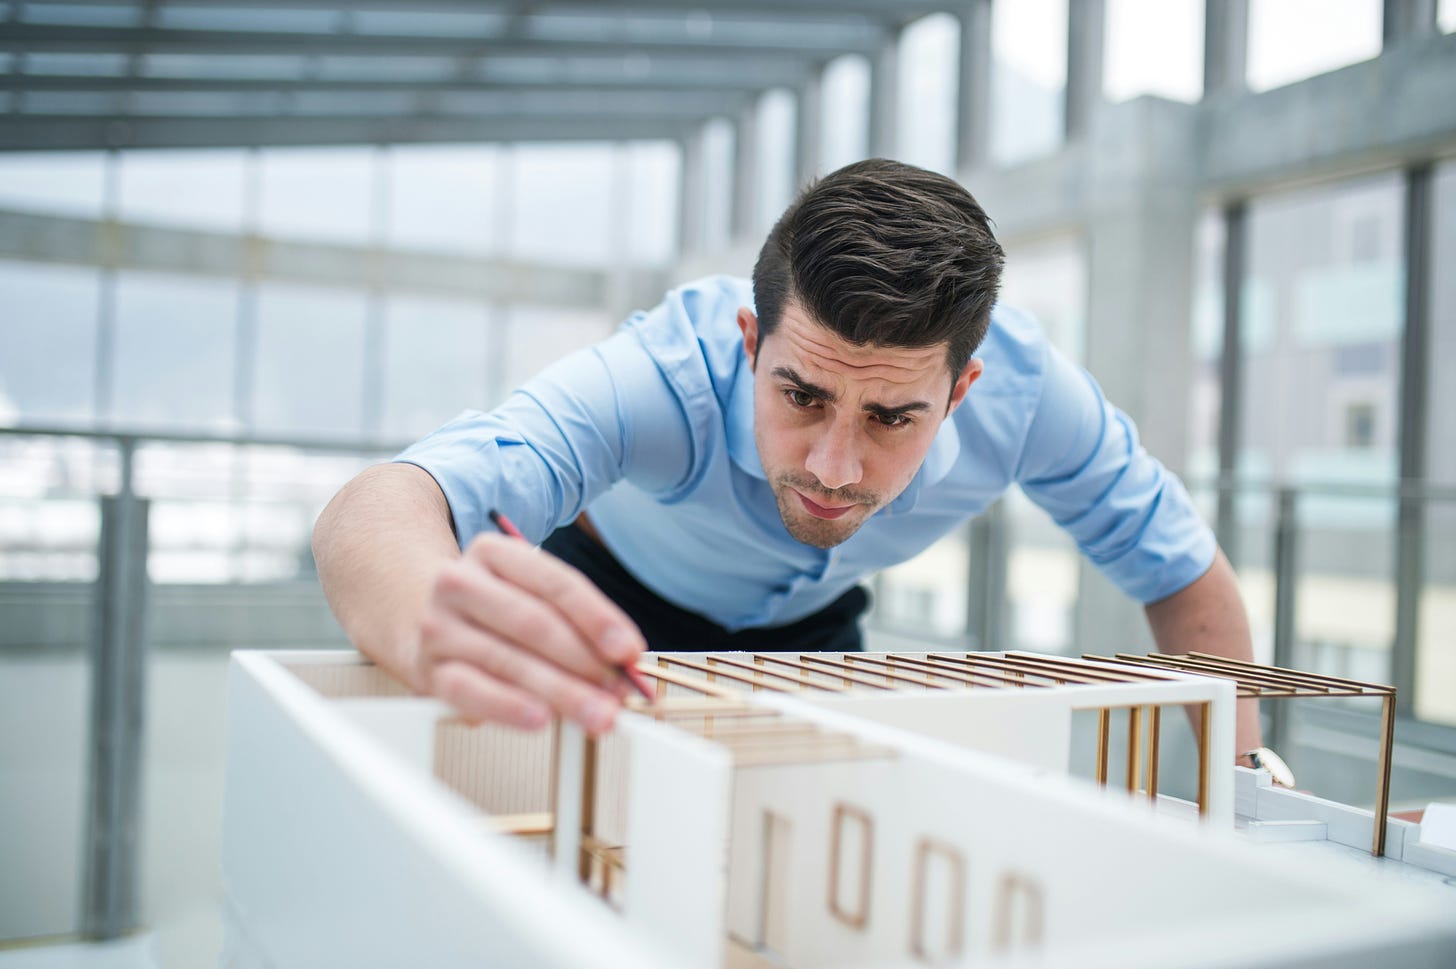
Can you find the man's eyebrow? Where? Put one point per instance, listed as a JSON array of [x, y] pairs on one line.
[[813, 390], [820, 393], [880, 410]]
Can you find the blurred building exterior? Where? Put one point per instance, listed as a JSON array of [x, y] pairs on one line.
[[246, 249]]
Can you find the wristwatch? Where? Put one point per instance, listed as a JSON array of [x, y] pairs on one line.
[[1266, 759]]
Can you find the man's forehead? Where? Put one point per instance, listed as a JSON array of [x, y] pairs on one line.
[[813, 345]]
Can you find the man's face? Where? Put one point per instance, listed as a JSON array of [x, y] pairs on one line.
[[841, 429]]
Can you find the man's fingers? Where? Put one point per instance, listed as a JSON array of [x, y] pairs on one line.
[[478, 697], [451, 640], [510, 614], [605, 627]]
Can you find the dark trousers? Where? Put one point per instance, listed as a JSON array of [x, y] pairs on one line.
[[670, 628]]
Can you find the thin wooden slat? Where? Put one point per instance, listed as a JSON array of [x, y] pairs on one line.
[[1253, 675], [1246, 689], [1101, 674], [848, 675], [1205, 724], [1382, 778], [1270, 682], [1059, 673], [901, 670], [978, 668], [1105, 664], [1104, 729], [1321, 677], [1134, 747], [692, 683], [988, 681], [790, 677], [534, 823], [1155, 716], [886, 673]]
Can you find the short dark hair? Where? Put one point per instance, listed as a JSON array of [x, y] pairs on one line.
[[884, 253]]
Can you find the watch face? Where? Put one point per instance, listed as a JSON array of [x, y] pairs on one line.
[[1279, 771]]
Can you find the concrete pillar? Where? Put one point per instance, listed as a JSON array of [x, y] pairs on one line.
[[1086, 30], [885, 98], [1407, 19], [973, 98], [691, 196], [1141, 225], [1225, 46], [743, 214], [809, 131]]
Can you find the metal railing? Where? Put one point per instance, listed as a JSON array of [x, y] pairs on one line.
[[118, 662]]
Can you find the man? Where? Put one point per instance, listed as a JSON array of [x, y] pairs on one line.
[[722, 472]]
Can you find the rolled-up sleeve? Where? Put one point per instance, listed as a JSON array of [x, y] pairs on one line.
[[1129, 515], [588, 421]]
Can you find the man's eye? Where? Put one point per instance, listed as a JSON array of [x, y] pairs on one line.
[[800, 398], [893, 420]]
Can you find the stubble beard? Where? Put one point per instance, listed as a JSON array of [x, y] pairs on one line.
[[820, 532]]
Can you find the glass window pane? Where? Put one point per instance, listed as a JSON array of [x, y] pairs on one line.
[[1321, 343], [1446, 16], [654, 172], [64, 183], [537, 336], [44, 711], [929, 72], [1436, 647], [1028, 78], [436, 363], [1154, 47], [319, 194], [1441, 442], [1321, 333], [444, 198], [1290, 40], [844, 95], [1048, 279], [927, 594], [1042, 578], [1206, 389], [201, 189], [173, 362], [561, 200], [310, 362], [48, 343]]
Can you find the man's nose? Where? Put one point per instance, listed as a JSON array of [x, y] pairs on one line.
[[835, 458]]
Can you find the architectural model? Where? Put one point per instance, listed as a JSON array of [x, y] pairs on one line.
[[804, 810]]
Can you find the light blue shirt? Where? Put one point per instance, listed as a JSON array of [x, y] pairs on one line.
[[651, 431]]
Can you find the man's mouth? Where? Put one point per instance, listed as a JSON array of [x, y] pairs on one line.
[[822, 511]]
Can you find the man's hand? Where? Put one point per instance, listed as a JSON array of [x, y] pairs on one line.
[[502, 632], [511, 633]]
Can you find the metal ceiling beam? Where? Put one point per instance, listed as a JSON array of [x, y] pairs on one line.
[[481, 105], [809, 44], [888, 11], [80, 133], [735, 82], [32, 237]]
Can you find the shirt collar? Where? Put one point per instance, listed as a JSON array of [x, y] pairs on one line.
[[744, 450]]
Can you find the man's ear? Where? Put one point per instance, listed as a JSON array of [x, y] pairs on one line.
[[969, 375], [748, 323]]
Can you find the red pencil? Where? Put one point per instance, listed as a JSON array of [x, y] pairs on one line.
[[633, 675]]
